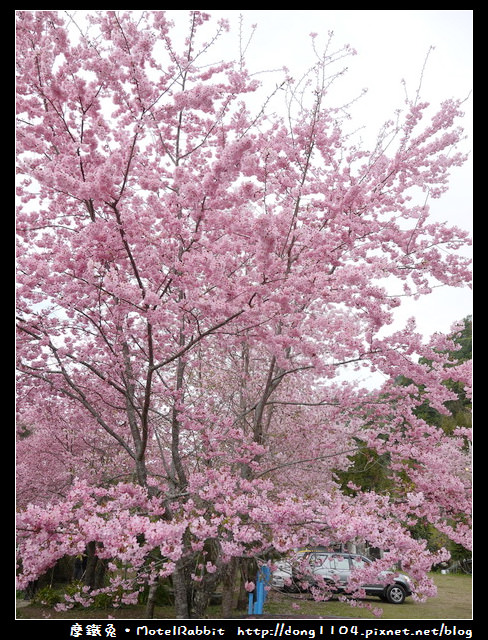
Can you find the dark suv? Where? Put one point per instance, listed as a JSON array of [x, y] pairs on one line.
[[336, 568]]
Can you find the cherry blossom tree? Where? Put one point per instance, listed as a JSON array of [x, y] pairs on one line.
[[194, 273]]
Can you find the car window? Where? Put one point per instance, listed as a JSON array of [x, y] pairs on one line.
[[340, 563], [315, 560], [359, 563], [333, 561]]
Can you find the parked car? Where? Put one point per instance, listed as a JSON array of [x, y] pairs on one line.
[[336, 569]]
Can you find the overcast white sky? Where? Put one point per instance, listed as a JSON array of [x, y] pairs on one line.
[[391, 45]]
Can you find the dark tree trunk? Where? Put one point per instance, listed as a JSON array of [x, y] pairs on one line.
[[202, 594], [91, 564], [100, 571], [229, 574], [248, 574], [95, 568]]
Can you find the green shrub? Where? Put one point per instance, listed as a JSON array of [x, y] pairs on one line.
[[102, 601], [48, 596]]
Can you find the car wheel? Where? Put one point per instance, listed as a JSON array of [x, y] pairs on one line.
[[395, 594]]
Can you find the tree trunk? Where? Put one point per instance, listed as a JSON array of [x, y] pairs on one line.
[[94, 574], [151, 600], [200, 600], [229, 573], [203, 593], [91, 564], [248, 574], [100, 570], [182, 610]]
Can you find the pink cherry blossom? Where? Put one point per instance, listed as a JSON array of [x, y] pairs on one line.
[[194, 276]]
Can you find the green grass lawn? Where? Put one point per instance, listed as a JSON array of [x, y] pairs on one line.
[[453, 601]]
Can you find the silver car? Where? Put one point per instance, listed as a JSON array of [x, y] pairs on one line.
[[335, 568]]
